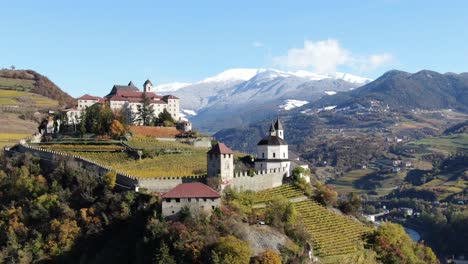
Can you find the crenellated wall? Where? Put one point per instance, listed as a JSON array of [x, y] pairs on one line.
[[167, 183], [260, 180]]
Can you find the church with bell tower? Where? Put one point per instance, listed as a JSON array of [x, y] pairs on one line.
[[272, 151]]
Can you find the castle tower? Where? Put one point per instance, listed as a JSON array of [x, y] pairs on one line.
[[279, 129], [147, 86], [221, 164], [272, 151]]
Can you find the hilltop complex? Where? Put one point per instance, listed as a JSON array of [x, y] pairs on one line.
[[128, 98]]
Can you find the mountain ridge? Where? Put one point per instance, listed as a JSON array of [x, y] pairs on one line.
[[424, 89]]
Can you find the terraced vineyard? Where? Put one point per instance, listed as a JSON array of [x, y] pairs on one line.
[[333, 234], [12, 97], [148, 143], [286, 190], [10, 139]]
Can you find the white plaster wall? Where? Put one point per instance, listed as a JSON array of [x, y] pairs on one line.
[[171, 207], [272, 152]]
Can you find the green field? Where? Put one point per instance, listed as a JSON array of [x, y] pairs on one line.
[[447, 144], [12, 97]]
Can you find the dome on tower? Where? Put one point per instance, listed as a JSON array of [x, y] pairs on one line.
[[148, 82]]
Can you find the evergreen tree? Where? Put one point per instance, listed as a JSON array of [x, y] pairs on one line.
[[166, 118], [145, 111], [163, 255]]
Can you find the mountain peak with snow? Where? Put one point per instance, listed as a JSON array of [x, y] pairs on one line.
[[262, 74], [169, 87], [238, 74]]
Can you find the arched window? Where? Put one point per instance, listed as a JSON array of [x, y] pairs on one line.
[[274, 155], [263, 155]]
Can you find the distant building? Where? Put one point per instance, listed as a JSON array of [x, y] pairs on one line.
[[196, 196], [129, 98]]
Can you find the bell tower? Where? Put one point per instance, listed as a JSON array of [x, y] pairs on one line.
[[148, 86]]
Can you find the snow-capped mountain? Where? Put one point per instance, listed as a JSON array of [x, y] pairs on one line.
[[169, 87], [240, 96], [246, 74]]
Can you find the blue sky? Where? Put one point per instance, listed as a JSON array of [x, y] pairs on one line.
[[87, 46]]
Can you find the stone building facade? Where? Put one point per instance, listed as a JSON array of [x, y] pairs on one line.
[[197, 197]]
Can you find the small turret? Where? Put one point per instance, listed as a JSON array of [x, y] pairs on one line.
[[279, 129], [272, 130]]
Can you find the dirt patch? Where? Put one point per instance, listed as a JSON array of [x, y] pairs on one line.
[[263, 237], [11, 123]]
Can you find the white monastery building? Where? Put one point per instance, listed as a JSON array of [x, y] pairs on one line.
[[128, 97]]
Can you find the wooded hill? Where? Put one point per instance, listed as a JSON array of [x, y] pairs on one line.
[[32, 82]]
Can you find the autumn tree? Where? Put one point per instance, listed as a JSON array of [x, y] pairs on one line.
[[394, 245], [117, 129], [231, 250], [110, 179], [268, 257], [324, 195]]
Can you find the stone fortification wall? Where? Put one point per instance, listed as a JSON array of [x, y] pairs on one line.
[[49, 156], [124, 180], [167, 183], [260, 180]]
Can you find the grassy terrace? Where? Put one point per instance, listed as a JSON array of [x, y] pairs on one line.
[[287, 191], [448, 144], [12, 97], [17, 84], [147, 143], [10, 139]]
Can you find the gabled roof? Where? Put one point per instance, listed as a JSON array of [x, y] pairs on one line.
[[192, 190], [88, 97], [272, 141], [147, 81], [220, 148]]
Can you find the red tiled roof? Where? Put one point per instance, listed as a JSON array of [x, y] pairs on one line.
[[220, 148], [154, 131], [192, 190], [170, 97], [88, 97]]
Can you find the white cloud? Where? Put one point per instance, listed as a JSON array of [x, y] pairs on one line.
[[326, 55], [257, 44]]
